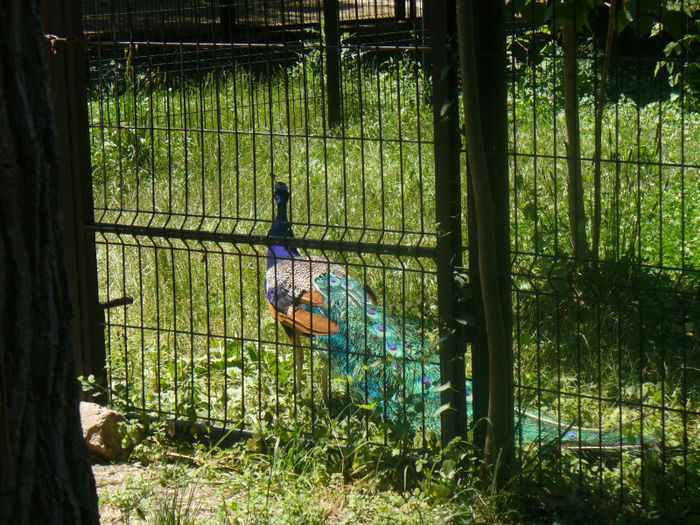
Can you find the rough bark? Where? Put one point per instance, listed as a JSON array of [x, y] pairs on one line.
[[488, 200], [45, 474], [609, 39], [577, 212]]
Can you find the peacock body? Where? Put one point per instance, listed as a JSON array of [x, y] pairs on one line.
[[388, 366]]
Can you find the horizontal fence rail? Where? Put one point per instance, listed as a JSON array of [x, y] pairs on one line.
[[197, 109]]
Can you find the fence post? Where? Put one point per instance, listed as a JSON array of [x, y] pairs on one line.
[[331, 38], [400, 9], [448, 215], [228, 19], [69, 78]]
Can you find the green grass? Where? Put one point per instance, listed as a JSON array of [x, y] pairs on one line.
[[626, 330]]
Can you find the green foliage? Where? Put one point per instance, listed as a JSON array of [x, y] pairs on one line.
[[674, 23], [179, 508], [208, 349]]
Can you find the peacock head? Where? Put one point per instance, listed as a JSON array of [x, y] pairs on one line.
[[281, 193]]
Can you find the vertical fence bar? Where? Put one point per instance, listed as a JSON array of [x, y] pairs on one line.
[[400, 9], [228, 19], [448, 215], [69, 79], [331, 38]]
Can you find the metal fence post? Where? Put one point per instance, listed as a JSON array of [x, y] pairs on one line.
[[448, 215], [331, 38], [69, 78], [400, 9], [228, 19]]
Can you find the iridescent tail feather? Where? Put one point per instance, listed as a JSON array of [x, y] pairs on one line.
[[394, 370]]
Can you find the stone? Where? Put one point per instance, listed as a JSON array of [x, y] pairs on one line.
[[101, 430]]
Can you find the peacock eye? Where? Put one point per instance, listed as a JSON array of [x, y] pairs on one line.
[[393, 349], [379, 328]]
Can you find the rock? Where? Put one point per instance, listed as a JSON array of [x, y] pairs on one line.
[[101, 430]]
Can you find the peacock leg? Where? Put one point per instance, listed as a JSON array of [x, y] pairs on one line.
[[325, 380], [298, 361], [298, 356]]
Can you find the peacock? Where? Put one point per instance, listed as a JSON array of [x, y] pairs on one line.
[[390, 369]]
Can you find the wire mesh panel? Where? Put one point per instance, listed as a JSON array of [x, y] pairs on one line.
[[607, 338], [197, 109]]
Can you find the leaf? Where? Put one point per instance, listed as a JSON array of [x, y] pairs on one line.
[[444, 71], [582, 12], [530, 212], [448, 466], [252, 353], [444, 387], [419, 465], [624, 18], [377, 363], [672, 22], [446, 105], [468, 320], [441, 410], [643, 16], [670, 48], [534, 13]]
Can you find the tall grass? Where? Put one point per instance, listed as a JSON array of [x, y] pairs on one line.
[[613, 345]]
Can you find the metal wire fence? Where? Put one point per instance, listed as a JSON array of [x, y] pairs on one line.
[[611, 343], [197, 107], [192, 121]]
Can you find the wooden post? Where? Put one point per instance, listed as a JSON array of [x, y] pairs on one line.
[[69, 78], [449, 219], [331, 38]]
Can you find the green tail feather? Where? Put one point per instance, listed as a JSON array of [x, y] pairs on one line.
[[395, 372]]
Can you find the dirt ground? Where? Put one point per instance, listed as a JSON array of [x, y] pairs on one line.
[[131, 494]]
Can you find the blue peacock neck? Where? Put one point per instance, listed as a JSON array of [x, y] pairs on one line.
[[280, 228]]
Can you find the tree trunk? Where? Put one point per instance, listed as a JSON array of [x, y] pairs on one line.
[[609, 39], [577, 213], [492, 85], [488, 202], [45, 474]]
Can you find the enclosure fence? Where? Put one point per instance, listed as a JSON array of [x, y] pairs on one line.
[[196, 110]]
